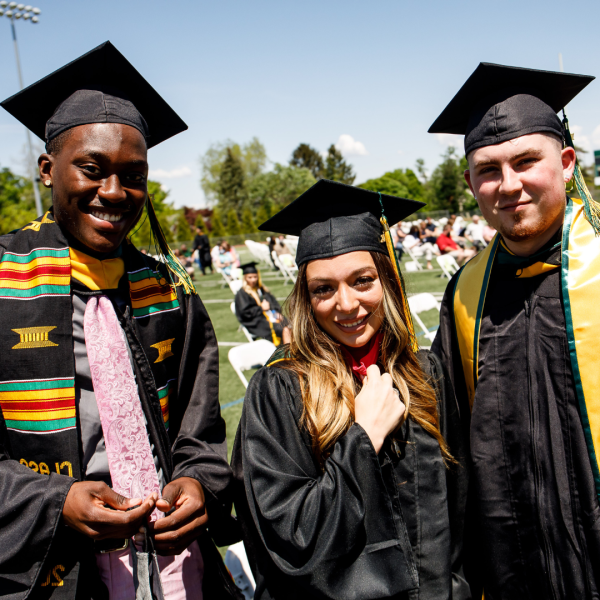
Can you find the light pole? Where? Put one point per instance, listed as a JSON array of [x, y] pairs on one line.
[[14, 11]]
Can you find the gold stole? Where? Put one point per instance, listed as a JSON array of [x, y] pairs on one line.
[[580, 286]]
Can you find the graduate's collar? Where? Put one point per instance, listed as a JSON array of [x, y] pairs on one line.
[[95, 270], [545, 259], [360, 359]]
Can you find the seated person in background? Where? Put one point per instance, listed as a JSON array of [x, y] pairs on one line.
[[258, 310], [281, 247], [225, 258], [488, 233], [185, 258], [474, 233], [431, 231], [413, 243], [448, 246], [397, 237]]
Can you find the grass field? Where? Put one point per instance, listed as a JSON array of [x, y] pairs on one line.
[[218, 299]]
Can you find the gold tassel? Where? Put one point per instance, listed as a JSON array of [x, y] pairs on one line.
[[390, 248]]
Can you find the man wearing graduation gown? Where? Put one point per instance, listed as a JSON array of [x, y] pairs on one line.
[[518, 333], [65, 279]]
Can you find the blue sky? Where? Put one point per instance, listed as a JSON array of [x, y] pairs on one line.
[[312, 71]]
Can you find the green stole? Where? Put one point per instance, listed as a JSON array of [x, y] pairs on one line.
[[38, 412], [580, 285]]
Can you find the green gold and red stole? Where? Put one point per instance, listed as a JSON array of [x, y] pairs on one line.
[[37, 380], [580, 286]]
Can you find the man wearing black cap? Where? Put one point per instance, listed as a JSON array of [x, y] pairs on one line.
[[110, 424], [518, 334]]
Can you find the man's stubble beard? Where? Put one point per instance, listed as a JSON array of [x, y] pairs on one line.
[[521, 230]]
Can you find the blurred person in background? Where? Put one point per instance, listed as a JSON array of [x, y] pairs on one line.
[[474, 233], [258, 310], [418, 248], [202, 246], [447, 245]]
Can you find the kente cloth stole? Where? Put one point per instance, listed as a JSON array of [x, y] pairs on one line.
[[38, 413], [580, 287]]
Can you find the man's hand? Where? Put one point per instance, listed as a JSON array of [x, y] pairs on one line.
[[95, 510], [175, 532]]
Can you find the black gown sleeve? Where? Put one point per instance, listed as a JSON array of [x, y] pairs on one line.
[[200, 448], [250, 315], [313, 533], [456, 430]]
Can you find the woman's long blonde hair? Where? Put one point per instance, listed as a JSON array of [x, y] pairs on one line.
[[328, 387]]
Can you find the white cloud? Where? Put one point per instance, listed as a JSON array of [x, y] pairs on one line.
[[176, 173], [348, 146], [449, 139]]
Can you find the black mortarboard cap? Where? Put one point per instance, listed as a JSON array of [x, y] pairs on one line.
[[499, 103], [101, 86], [332, 218], [248, 268]]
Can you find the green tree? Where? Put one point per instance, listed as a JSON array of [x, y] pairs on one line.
[[448, 186], [141, 235], [306, 157], [252, 156], [218, 229], [400, 182], [233, 223], [248, 224], [336, 168], [264, 212], [201, 223], [232, 185], [278, 188], [183, 231]]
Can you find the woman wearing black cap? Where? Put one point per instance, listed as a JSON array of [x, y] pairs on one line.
[[258, 310], [345, 457]]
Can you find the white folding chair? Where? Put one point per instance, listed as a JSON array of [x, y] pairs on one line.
[[448, 264], [250, 356], [235, 285], [411, 266], [285, 271], [420, 303], [419, 266], [248, 335]]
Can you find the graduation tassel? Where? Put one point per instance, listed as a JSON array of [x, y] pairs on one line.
[[387, 237], [165, 253], [591, 207]]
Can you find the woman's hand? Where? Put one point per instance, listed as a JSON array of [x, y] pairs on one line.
[[378, 408], [265, 305]]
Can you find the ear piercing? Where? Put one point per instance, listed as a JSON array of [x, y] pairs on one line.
[[48, 183]]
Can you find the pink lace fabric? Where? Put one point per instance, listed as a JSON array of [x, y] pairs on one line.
[[130, 460]]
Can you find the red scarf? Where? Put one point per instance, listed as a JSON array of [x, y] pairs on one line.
[[360, 359]]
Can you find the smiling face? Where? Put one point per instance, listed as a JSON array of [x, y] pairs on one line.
[[99, 183], [346, 297], [520, 188]]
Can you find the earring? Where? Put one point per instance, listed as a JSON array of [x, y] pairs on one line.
[[48, 183]]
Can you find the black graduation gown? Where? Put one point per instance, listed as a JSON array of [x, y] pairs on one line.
[[535, 510], [251, 316], [368, 526]]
